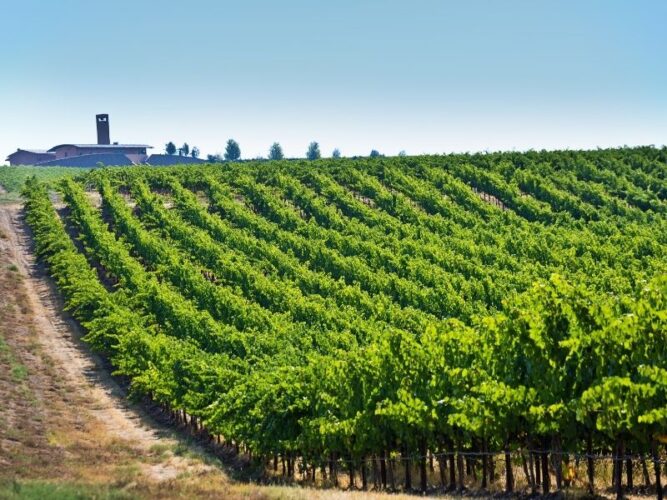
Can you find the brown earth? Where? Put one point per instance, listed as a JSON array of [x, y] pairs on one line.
[[65, 421]]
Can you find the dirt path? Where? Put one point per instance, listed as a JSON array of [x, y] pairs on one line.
[[63, 414], [80, 370]]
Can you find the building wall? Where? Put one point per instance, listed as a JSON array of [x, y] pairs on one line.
[[28, 158], [92, 161], [136, 158], [68, 151]]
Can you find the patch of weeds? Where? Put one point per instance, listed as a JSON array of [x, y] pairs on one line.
[[39, 490], [120, 447], [126, 474], [160, 450], [188, 450], [182, 450], [4, 348], [13, 268], [53, 439], [19, 372], [14, 434]]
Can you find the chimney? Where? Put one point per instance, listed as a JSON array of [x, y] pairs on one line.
[[102, 129]]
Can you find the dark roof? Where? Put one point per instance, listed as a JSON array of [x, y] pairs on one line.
[[114, 159], [157, 160], [36, 151], [32, 151], [103, 146]]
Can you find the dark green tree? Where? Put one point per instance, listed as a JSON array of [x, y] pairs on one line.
[[375, 153], [185, 149], [336, 153], [313, 152], [170, 148], [276, 152], [195, 152], [232, 151]]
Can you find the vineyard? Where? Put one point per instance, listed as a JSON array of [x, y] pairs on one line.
[[487, 322]]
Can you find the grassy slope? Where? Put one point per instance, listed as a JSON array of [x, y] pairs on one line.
[[12, 178]]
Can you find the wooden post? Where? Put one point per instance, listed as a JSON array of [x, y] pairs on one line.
[[452, 471], [531, 472], [509, 477], [334, 468], [618, 473], [422, 466], [492, 468], [485, 464], [442, 465], [546, 480], [647, 477], [408, 471], [459, 463], [656, 465], [364, 474], [392, 478], [383, 469], [527, 473], [590, 464], [558, 463]]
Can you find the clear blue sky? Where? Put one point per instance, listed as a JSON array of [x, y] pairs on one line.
[[421, 76]]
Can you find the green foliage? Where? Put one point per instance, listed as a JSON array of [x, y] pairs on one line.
[[313, 152], [232, 150], [276, 152], [37, 490], [462, 301], [12, 179]]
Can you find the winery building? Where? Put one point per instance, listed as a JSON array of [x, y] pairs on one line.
[[84, 155]]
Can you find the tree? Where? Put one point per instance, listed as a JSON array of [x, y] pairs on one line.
[[214, 158], [375, 153], [402, 153], [313, 152], [195, 152], [276, 152], [185, 149], [336, 153], [232, 151], [170, 148]]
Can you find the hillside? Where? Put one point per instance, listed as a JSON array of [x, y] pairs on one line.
[[490, 321], [67, 429]]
